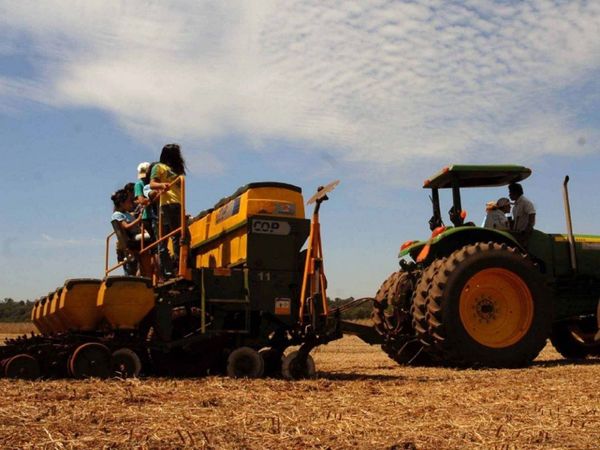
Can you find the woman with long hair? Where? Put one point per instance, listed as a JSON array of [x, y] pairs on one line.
[[163, 179]]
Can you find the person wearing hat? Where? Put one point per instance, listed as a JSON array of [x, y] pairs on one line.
[[496, 214], [138, 192]]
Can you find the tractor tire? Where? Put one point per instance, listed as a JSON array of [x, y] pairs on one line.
[[401, 344], [488, 306], [574, 339], [381, 318], [419, 306]]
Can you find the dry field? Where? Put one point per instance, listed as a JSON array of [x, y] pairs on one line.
[[8, 330], [361, 399]]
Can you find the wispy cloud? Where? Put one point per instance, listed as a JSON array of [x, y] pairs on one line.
[[378, 83], [47, 241]]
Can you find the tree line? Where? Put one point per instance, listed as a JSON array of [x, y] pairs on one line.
[[362, 311], [15, 311]]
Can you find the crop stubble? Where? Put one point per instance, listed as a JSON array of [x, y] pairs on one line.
[[361, 399]]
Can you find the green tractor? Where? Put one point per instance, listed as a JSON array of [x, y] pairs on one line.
[[473, 296]]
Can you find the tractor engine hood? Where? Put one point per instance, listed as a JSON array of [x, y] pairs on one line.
[[422, 251]]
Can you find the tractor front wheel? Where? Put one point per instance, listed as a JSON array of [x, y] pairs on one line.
[[574, 339]]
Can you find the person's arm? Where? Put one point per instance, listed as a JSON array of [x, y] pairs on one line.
[[128, 225], [156, 185], [140, 199], [155, 179]]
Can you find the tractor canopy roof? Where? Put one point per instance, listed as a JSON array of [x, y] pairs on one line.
[[476, 176]]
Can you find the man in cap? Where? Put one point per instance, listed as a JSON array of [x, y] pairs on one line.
[[523, 213]]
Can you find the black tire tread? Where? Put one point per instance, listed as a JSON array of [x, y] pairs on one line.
[[402, 344], [419, 305], [444, 338]]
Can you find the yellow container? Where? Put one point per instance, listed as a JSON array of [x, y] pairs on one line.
[[38, 312], [53, 320], [43, 323], [125, 301], [34, 312], [219, 236], [77, 305], [35, 305]]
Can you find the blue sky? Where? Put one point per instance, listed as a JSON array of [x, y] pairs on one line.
[[378, 94]]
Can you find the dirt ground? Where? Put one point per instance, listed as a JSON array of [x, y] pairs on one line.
[[361, 399]]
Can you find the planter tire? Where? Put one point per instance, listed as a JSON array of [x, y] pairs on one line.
[[245, 362]]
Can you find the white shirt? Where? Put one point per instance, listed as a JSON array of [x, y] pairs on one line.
[[520, 212], [497, 220]]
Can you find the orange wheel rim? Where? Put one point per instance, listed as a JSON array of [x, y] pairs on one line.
[[496, 307]]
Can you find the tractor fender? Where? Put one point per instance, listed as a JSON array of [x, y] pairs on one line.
[[457, 237]]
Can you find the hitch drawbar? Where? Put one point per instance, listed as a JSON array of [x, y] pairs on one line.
[[365, 332]]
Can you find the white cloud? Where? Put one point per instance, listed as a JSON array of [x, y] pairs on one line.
[[47, 241], [378, 83]]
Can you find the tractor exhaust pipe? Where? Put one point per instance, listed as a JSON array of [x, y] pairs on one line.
[[569, 225]]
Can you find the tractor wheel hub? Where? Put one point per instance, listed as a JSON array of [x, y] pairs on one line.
[[486, 309]]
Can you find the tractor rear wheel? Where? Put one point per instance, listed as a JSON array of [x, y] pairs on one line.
[[419, 306], [401, 343], [383, 320], [488, 306]]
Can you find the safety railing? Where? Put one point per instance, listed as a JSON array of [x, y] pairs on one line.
[[181, 231], [107, 269]]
